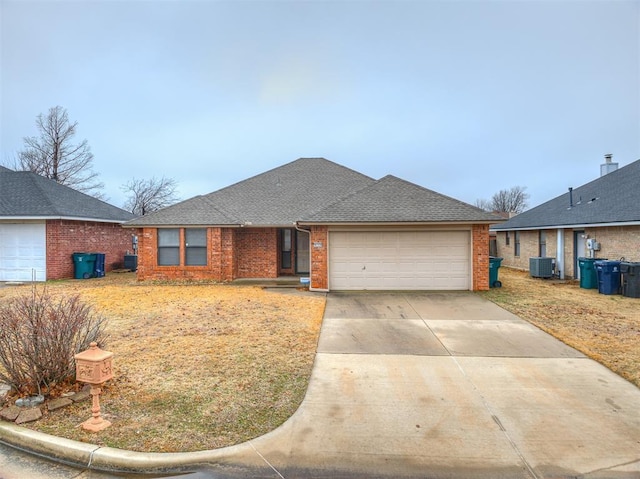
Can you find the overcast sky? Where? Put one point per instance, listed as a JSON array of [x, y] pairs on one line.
[[461, 97]]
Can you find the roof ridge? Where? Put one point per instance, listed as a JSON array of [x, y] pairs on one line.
[[341, 198], [40, 180], [218, 209], [432, 191]]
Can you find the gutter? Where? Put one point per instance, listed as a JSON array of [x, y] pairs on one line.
[[69, 218], [569, 226]]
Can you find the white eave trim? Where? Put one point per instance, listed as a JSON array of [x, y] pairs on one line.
[[155, 226], [571, 226], [397, 223], [66, 218]]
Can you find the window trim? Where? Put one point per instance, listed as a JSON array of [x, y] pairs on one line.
[[169, 247], [542, 243], [194, 248]]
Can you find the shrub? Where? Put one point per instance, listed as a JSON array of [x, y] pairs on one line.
[[39, 335]]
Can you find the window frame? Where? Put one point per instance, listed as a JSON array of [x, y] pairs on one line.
[[168, 254], [196, 251], [516, 243], [542, 243]]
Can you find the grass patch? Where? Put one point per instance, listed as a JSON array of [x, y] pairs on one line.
[[604, 327], [197, 366]]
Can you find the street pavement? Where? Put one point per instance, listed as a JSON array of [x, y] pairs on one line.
[[422, 385]]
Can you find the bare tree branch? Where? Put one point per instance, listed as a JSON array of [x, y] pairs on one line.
[[147, 196], [506, 201], [53, 155]]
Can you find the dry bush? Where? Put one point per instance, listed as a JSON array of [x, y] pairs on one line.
[[39, 336]]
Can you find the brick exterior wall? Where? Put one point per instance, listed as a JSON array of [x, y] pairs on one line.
[[232, 253], [220, 262], [480, 257], [616, 242], [253, 253], [319, 238], [257, 253], [65, 237]]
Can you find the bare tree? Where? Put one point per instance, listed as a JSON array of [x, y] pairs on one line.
[[53, 155], [506, 201], [483, 204], [147, 196]]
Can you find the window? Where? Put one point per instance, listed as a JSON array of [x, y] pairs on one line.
[[169, 247], [542, 242], [507, 238], [195, 242], [516, 243]]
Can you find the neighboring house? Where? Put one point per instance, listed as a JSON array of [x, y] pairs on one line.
[[42, 223], [604, 214], [315, 218]]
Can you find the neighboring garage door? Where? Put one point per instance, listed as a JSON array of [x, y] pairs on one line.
[[399, 260], [22, 252]]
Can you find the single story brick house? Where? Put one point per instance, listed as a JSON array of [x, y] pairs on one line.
[[42, 223], [600, 219], [315, 218]]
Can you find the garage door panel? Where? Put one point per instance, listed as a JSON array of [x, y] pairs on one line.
[[400, 260], [22, 252]]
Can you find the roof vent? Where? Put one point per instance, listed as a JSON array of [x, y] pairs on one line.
[[607, 167]]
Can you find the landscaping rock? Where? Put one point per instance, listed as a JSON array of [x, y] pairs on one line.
[[29, 415], [58, 403], [30, 401], [80, 396], [11, 413]]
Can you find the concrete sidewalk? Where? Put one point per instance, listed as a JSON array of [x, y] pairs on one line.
[[424, 385]]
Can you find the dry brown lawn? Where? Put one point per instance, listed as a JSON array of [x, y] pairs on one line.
[[197, 366], [604, 327], [201, 366]]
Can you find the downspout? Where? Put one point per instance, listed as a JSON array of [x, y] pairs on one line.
[[560, 253]]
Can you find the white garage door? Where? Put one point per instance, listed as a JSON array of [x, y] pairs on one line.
[[399, 260], [22, 252]]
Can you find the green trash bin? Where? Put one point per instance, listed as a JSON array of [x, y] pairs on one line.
[[588, 273], [494, 266], [84, 265]]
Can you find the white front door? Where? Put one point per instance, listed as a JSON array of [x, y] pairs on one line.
[[23, 252]]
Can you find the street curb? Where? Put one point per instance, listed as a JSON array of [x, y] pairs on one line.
[[111, 459], [64, 450]]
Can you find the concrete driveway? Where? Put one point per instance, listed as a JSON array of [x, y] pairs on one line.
[[425, 385], [438, 385]]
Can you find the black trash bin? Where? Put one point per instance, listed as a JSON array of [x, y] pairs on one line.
[[608, 277], [99, 271], [630, 279]]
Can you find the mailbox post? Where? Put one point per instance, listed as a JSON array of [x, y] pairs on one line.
[[94, 367]]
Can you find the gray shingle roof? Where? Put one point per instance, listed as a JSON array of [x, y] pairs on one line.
[[277, 197], [24, 194], [392, 199], [613, 198], [315, 190]]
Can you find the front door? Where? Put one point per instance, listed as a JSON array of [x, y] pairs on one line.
[[293, 252]]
